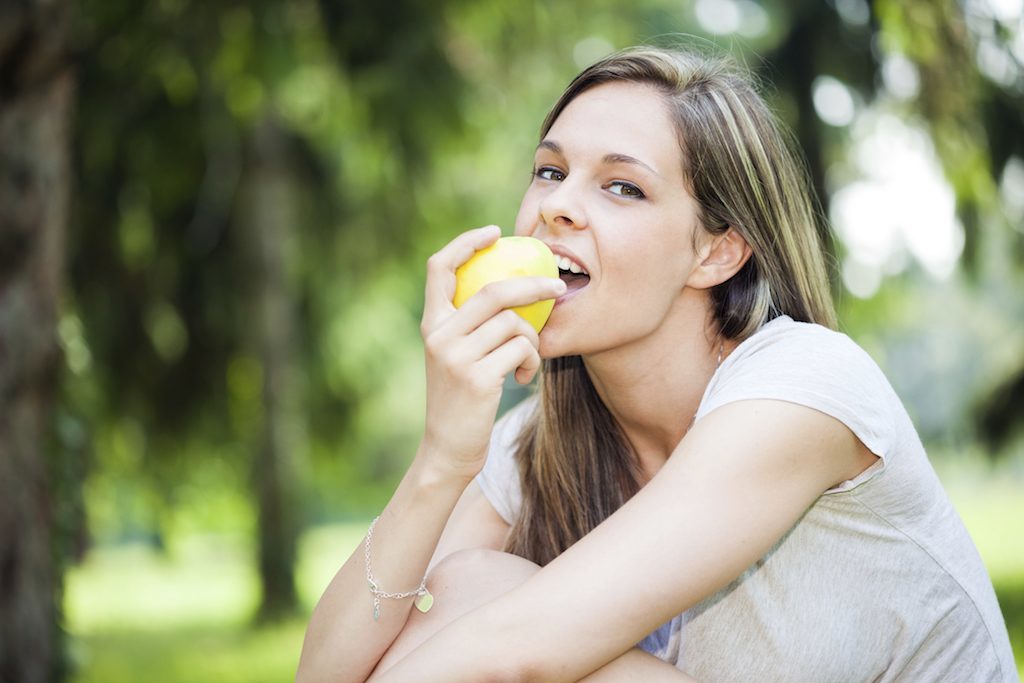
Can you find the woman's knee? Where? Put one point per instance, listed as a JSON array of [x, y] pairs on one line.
[[479, 573], [460, 583]]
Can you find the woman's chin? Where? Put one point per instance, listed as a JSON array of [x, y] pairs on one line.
[[552, 346], [548, 347]]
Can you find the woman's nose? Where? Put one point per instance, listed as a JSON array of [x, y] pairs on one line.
[[562, 208]]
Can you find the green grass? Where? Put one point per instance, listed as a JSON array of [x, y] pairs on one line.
[[186, 616], [227, 653]]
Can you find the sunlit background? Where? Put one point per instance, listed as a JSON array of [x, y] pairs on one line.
[[256, 188]]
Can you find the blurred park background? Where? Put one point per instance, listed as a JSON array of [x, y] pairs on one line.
[[214, 218]]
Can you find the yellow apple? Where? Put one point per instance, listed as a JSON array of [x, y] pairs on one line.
[[507, 258]]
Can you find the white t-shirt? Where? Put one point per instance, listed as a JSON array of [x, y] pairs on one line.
[[878, 581]]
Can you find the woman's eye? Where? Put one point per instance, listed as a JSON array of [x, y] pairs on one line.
[[548, 173], [624, 189]]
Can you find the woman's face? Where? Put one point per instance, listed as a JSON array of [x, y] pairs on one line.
[[608, 194]]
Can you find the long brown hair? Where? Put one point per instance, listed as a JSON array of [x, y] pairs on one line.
[[576, 465]]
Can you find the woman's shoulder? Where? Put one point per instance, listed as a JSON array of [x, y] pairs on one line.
[[814, 366], [785, 335], [792, 352]]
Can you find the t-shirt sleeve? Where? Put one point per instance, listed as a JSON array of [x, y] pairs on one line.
[[813, 366], [499, 478]]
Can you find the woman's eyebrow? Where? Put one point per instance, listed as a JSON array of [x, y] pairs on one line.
[[612, 158], [550, 145], [616, 158]]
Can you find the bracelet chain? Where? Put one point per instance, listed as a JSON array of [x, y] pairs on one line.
[[424, 599]]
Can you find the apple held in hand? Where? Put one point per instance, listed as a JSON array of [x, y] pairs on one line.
[[507, 258]]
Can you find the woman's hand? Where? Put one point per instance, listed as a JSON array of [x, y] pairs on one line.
[[470, 350]]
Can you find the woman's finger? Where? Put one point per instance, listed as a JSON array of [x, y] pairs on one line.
[[516, 352], [496, 296], [526, 371], [440, 287], [496, 331]]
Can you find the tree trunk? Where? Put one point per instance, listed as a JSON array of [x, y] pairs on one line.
[[798, 55], [268, 220], [36, 91]]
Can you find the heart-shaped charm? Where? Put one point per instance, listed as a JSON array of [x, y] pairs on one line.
[[424, 601]]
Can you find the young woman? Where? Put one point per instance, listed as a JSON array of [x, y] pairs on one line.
[[708, 470]]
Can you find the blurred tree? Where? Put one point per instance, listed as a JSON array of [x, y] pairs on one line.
[[815, 41], [217, 153], [966, 94], [268, 209], [971, 98], [36, 98]]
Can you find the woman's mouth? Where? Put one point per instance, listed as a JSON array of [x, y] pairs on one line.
[[572, 274]]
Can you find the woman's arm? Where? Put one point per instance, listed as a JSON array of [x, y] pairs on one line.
[[343, 641], [638, 666], [469, 352], [464, 581], [473, 524], [739, 480]]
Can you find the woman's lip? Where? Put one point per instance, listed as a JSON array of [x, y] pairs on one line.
[[570, 294], [560, 250]]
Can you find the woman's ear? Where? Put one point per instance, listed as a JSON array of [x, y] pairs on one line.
[[721, 257]]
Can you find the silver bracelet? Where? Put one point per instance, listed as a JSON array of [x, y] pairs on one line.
[[424, 600]]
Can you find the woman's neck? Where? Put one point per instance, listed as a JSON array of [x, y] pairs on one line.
[[654, 385]]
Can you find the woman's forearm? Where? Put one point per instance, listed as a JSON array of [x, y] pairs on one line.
[[343, 641], [474, 664], [640, 666], [481, 647], [466, 638]]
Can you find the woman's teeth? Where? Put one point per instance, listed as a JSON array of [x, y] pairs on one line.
[[565, 263]]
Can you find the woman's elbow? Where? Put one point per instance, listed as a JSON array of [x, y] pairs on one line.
[[311, 671], [523, 670], [509, 670], [308, 673], [506, 656]]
